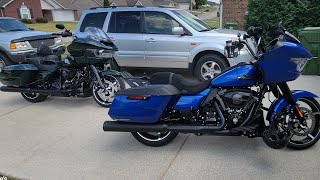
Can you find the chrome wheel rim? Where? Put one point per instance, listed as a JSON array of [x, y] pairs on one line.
[[310, 137], [31, 95], [210, 69], [154, 136], [105, 95]]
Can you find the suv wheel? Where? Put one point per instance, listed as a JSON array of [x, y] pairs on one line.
[[209, 66], [4, 60]]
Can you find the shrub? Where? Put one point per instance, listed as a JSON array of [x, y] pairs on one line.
[[207, 10], [27, 21], [42, 20]]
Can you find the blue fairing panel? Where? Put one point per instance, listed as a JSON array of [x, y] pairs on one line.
[[187, 101], [281, 103], [277, 64]]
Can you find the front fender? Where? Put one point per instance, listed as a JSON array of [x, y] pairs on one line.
[[281, 102], [110, 73]]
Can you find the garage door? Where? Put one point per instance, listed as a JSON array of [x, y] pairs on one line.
[[63, 15]]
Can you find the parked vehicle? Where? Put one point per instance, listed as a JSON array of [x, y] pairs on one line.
[[155, 37], [18, 41], [229, 104], [80, 74]]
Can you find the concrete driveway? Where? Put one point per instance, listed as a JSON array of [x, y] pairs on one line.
[[62, 138]]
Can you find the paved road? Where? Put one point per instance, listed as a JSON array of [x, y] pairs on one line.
[[62, 138], [208, 15]]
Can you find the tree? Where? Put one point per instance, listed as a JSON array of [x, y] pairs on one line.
[[106, 3], [295, 14], [200, 3]]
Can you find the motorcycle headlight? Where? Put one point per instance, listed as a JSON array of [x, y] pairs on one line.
[[19, 45], [300, 62], [58, 40]]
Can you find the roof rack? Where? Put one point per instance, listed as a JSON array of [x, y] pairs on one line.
[[138, 6]]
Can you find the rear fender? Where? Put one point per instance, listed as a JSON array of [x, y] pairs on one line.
[[281, 103]]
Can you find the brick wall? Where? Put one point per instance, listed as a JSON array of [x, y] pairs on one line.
[[34, 5], [234, 11]]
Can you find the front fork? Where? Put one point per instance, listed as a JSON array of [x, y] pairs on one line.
[[95, 72], [287, 94]]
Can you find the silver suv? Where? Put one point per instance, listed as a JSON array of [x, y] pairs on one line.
[[18, 41], [155, 37]]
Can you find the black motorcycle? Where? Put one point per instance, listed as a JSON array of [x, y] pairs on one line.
[[80, 74]]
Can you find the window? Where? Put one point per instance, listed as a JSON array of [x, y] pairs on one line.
[[159, 23], [93, 20], [192, 20], [25, 12], [125, 22]]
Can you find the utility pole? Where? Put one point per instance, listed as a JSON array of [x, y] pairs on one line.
[[191, 6], [221, 12]]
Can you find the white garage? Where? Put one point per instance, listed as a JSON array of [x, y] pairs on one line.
[[63, 15]]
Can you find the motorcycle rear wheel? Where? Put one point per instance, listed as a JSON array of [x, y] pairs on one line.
[[304, 142], [34, 97], [155, 139]]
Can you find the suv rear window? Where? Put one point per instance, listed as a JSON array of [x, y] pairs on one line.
[[125, 22], [93, 20]]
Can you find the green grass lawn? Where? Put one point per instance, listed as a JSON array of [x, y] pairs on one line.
[[213, 22], [51, 26]]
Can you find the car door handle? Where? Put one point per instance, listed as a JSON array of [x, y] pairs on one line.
[[150, 40]]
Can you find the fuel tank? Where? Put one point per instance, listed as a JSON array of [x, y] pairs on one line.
[[242, 75]]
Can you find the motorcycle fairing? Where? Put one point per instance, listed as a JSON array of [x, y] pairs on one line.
[[281, 103]]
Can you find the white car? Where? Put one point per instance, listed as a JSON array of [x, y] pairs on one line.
[[155, 37]]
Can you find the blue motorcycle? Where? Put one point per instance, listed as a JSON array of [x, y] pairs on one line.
[[230, 104]]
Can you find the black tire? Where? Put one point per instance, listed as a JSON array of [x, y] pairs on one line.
[[96, 87], [144, 139], [4, 60], [220, 61], [34, 97], [307, 143]]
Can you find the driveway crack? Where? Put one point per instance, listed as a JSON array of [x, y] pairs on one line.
[[18, 109], [174, 158]]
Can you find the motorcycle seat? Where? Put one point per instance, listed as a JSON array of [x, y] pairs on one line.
[[185, 86], [46, 63]]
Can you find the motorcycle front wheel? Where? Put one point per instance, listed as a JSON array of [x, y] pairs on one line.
[[155, 139], [301, 138], [104, 96]]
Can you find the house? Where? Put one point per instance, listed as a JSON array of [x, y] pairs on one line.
[[183, 4], [234, 11], [118, 3], [31, 9], [58, 10]]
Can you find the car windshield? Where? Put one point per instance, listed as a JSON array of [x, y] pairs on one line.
[[192, 20], [96, 34], [12, 25]]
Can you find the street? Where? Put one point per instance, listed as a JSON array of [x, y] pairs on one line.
[[62, 138]]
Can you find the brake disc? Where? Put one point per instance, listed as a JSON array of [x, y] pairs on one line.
[[303, 130]]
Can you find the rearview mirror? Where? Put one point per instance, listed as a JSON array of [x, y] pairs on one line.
[[177, 31], [60, 26]]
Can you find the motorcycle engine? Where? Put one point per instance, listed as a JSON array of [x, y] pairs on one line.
[[68, 74], [238, 103]]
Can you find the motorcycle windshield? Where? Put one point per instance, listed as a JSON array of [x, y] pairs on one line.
[[96, 34]]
